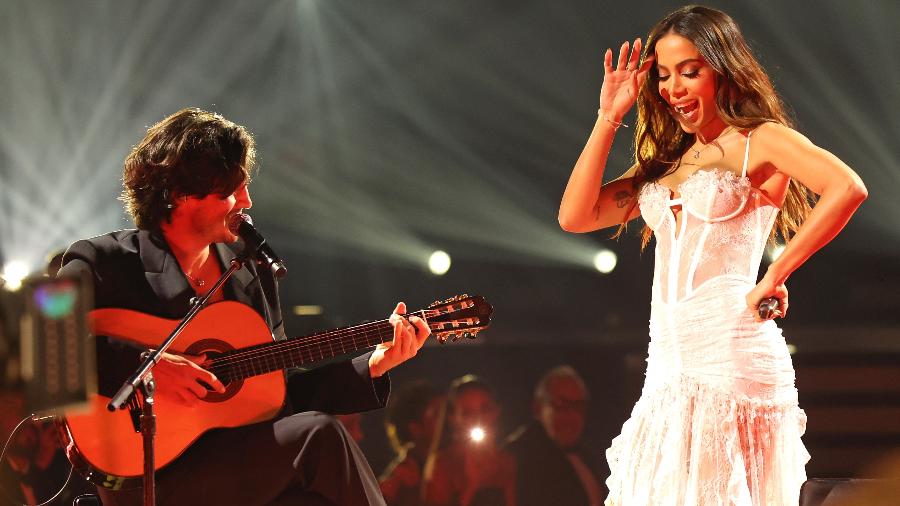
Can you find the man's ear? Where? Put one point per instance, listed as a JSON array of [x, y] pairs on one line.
[[173, 198]]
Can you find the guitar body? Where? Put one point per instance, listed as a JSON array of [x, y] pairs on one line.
[[107, 443]]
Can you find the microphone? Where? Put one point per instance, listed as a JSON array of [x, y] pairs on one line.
[[241, 225], [767, 308]]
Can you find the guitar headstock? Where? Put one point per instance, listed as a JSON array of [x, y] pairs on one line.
[[460, 316]]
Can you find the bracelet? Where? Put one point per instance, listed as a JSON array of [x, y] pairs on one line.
[[614, 123]]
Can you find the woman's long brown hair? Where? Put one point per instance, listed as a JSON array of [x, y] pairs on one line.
[[745, 99]]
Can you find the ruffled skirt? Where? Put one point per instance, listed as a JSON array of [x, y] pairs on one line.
[[717, 423], [688, 444]]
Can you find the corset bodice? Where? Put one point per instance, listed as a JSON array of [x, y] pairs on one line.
[[724, 226]]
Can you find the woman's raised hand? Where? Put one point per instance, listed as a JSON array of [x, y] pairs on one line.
[[621, 84]]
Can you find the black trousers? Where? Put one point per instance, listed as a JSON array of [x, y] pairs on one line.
[[304, 459]]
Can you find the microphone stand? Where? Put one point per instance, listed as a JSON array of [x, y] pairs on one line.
[[141, 407]]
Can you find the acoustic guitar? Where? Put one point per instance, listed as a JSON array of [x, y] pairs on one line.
[[241, 352]]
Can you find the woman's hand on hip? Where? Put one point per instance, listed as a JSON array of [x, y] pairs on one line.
[[763, 290]]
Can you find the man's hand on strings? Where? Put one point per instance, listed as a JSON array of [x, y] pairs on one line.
[[180, 379], [409, 335]]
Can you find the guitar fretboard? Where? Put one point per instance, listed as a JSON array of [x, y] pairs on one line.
[[277, 355]]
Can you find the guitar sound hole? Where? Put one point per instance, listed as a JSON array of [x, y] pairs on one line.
[[213, 348]]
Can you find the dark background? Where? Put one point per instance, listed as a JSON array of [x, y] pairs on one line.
[[388, 129]]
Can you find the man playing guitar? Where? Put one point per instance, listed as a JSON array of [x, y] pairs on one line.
[[183, 184]]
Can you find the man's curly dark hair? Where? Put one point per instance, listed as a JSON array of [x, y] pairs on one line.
[[190, 153]]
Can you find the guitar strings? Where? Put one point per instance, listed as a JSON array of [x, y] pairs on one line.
[[304, 345], [249, 363], [363, 330], [284, 355], [332, 336], [295, 351], [299, 347]]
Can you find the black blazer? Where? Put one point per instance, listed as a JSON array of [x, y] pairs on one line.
[[135, 269]]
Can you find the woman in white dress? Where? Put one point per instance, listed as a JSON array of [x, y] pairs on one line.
[[717, 422]]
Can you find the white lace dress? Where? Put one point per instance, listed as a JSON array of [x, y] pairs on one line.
[[717, 422]]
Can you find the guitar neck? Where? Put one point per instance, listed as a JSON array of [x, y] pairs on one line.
[[299, 351]]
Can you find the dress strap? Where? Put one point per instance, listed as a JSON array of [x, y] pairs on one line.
[[746, 154]]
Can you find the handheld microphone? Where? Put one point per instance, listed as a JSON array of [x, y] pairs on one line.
[[767, 308], [241, 225]]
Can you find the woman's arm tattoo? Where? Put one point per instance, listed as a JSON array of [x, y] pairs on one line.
[[622, 198]]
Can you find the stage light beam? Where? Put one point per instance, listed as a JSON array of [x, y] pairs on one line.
[[439, 263], [605, 261], [13, 274]]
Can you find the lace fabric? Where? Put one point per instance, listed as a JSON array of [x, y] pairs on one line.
[[724, 226], [717, 422], [693, 444]]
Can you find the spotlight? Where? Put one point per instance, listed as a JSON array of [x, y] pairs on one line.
[[775, 252], [439, 263], [792, 349], [605, 261], [476, 434], [13, 273]]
